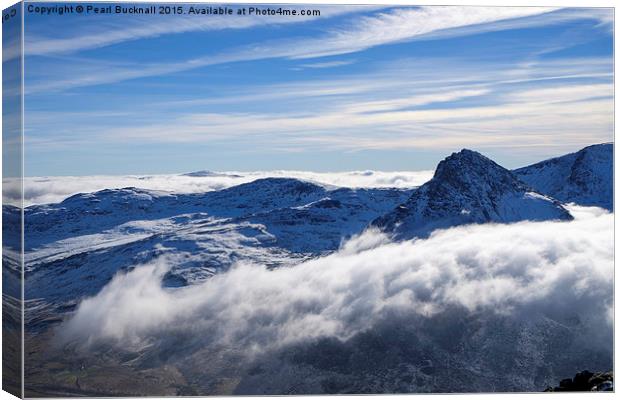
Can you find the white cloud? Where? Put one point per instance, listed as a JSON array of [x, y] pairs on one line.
[[527, 270], [327, 64], [565, 94], [397, 103], [408, 23], [39, 190]]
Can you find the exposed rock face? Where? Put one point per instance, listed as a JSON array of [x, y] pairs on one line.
[[584, 177], [586, 381], [469, 188]]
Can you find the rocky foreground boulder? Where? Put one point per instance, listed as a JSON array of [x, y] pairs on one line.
[[586, 381]]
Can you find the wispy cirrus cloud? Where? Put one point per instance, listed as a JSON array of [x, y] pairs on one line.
[[407, 24], [326, 64], [360, 33], [510, 91], [565, 94], [455, 105], [106, 33]]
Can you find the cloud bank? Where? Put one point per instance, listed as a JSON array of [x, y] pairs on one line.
[[41, 190], [558, 271]]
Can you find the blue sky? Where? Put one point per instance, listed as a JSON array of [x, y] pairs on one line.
[[384, 88]]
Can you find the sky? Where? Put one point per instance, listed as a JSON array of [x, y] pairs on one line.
[[356, 88]]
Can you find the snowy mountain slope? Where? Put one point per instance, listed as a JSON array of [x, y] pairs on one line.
[[93, 212], [262, 195], [89, 213], [584, 177], [11, 257], [469, 188], [322, 225], [75, 247], [197, 247]]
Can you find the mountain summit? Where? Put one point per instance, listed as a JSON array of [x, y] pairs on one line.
[[469, 188]]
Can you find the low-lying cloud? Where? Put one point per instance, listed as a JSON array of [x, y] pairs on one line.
[[41, 190], [556, 270]]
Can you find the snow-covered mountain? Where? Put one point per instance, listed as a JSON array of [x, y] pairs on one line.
[[74, 248], [81, 242], [469, 188], [584, 177]]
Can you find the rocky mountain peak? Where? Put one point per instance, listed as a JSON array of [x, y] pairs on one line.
[[469, 171], [469, 188]]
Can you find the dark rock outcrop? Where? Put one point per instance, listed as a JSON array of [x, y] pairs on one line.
[[586, 381]]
